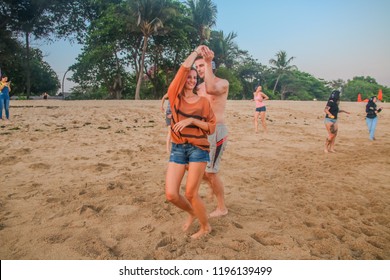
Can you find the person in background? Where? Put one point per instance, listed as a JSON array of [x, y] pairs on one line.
[[192, 120], [168, 115], [371, 117], [332, 110], [259, 97], [5, 88]]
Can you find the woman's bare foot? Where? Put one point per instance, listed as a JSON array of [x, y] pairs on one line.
[[202, 232], [188, 223], [218, 213]]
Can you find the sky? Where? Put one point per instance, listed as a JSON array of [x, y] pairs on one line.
[[329, 39]]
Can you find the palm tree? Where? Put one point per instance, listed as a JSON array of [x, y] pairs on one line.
[[150, 15], [204, 16], [281, 66], [225, 49]]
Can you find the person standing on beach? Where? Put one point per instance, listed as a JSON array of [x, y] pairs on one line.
[[371, 117], [332, 110], [216, 91], [259, 97], [168, 115], [192, 120], [5, 89]]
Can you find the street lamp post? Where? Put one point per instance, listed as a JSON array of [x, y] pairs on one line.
[[63, 81]]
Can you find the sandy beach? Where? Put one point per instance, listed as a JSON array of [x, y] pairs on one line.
[[85, 180]]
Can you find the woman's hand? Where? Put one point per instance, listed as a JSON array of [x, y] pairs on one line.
[[182, 124]]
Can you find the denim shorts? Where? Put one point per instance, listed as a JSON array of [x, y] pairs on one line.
[[261, 109], [329, 120], [186, 153]]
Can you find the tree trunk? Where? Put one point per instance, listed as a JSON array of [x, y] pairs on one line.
[[118, 84], [139, 82], [283, 92], [117, 87], [28, 68], [277, 81]]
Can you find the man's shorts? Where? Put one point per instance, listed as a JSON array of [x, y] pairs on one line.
[[218, 142], [168, 119]]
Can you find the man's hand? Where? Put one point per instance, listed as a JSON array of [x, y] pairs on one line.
[[207, 54]]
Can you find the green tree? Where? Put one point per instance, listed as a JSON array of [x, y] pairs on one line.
[[366, 86], [150, 15], [302, 86], [101, 64], [235, 86], [281, 65], [224, 48], [250, 73], [38, 18], [204, 16]]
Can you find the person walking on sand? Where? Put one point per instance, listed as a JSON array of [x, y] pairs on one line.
[[168, 115], [5, 89], [192, 120], [216, 91], [371, 117], [332, 110], [259, 97]]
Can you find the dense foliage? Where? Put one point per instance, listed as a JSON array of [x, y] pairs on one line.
[[132, 48]]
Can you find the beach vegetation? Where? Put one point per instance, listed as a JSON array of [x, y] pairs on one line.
[[366, 86], [131, 49], [281, 66]]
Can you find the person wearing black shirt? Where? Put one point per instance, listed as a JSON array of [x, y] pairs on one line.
[[332, 110], [371, 117]]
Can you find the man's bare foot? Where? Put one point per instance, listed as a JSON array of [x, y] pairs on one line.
[[188, 223], [218, 213], [332, 151], [326, 151], [202, 232]]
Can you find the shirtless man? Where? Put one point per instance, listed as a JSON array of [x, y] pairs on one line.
[[216, 91]]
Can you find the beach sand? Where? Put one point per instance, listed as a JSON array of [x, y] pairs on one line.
[[85, 180]]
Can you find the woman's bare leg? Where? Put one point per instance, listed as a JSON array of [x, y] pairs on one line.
[[173, 180], [256, 117], [332, 132], [263, 123], [194, 178], [333, 129]]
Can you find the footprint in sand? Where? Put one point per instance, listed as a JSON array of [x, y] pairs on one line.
[[11, 160], [148, 228], [266, 238], [55, 238], [39, 165], [165, 241], [95, 209]]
